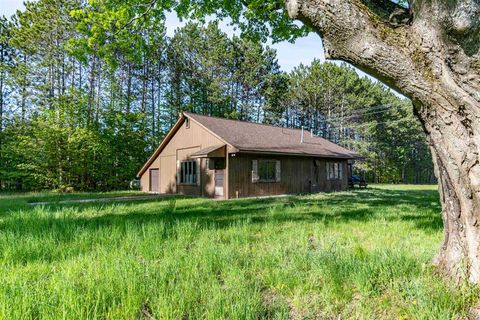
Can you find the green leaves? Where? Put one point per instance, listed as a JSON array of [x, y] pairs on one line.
[[256, 19]]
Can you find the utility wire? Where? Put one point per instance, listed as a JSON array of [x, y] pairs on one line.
[[360, 112], [337, 128], [370, 108], [339, 119], [367, 124]]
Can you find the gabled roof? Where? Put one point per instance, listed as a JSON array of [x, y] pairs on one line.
[[260, 138], [251, 137]]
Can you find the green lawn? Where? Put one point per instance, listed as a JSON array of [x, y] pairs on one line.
[[55, 196], [359, 254]]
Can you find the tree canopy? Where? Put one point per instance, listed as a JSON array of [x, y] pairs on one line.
[[256, 19]]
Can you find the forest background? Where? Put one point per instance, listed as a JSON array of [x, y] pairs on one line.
[[78, 115]]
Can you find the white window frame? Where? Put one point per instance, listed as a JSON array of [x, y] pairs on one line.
[[188, 172], [334, 170]]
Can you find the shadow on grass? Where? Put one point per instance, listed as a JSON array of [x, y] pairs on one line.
[[420, 207]]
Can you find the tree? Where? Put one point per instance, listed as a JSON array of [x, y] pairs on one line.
[[334, 102], [6, 57], [211, 74], [429, 51]]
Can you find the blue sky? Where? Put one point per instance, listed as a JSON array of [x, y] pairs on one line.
[[289, 55]]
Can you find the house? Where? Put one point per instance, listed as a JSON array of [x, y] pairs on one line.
[[221, 158]]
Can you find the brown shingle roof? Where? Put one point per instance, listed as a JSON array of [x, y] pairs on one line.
[[260, 138]]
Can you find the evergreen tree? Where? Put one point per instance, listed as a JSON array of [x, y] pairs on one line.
[[88, 91]]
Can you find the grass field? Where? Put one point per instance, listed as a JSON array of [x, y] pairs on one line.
[[357, 255], [55, 196]]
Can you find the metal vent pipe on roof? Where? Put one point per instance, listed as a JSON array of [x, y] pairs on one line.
[[301, 139]]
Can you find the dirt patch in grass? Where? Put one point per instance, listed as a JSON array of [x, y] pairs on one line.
[[275, 303]]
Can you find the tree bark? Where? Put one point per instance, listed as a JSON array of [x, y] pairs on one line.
[[430, 54]]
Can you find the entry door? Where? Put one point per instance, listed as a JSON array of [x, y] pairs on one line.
[[154, 180], [219, 174]]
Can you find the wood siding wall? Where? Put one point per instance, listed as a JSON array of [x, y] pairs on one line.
[[297, 173], [297, 176], [183, 143]]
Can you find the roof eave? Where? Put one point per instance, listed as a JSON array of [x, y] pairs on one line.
[[254, 151]]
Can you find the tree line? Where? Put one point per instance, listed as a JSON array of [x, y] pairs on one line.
[[84, 109]]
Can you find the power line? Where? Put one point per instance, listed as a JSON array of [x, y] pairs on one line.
[[367, 124], [339, 119], [337, 128], [360, 112], [370, 108], [335, 123]]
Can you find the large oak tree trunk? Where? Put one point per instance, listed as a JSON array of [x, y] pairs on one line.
[[430, 53], [455, 156]]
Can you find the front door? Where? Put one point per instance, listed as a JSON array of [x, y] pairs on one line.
[[219, 174], [154, 180]]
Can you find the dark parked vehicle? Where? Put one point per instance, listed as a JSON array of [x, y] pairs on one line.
[[356, 180]]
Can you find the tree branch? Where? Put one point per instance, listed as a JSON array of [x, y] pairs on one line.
[[151, 5], [352, 31]]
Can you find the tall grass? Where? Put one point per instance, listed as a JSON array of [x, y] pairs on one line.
[[358, 255], [50, 196]]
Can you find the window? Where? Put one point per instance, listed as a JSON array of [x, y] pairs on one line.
[[334, 171], [187, 123], [188, 172], [266, 171]]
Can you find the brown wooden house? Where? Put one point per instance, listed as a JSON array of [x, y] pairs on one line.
[[221, 158]]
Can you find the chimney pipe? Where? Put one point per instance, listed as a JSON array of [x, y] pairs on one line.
[[301, 139], [311, 132]]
